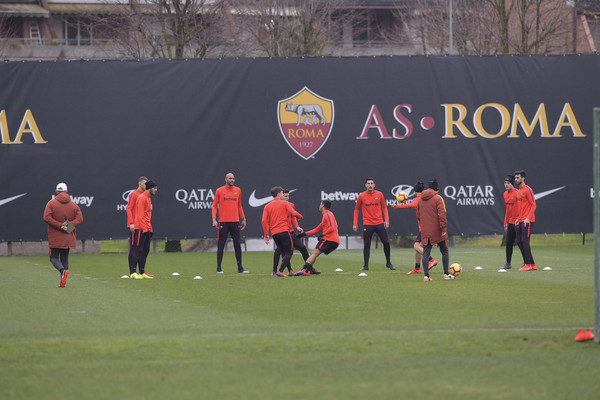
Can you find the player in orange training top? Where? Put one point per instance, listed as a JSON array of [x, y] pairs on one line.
[[143, 231], [275, 218], [329, 240], [228, 204], [525, 220], [375, 219], [510, 216], [131, 200]]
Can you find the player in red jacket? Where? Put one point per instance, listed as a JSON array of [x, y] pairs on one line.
[[431, 214], [375, 219], [417, 246], [329, 240], [510, 216], [60, 238], [525, 220]]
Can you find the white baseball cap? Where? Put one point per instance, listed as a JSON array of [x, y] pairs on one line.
[[61, 187]]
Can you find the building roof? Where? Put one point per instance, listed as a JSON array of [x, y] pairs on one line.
[[23, 9]]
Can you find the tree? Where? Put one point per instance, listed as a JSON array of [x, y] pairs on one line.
[[425, 23], [529, 26], [486, 27], [541, 25], [166, 28], [8, 30], [474, 28], [502, 10], [286, 27], [3, 33]]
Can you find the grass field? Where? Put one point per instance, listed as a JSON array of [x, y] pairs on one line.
[[486, 335]]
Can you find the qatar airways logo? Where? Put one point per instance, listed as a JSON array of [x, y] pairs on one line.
[[196, 199], [471, 195], [489, 121]]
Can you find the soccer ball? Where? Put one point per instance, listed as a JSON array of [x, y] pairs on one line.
[[455, 269], [401, 197]]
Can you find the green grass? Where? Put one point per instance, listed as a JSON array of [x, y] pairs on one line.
[[486, 335], [569, 239]]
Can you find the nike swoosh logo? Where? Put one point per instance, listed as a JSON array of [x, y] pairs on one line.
[[8, 200], [538, 196], [254, 202]]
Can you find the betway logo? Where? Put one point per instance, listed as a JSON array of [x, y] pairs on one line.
[[337, 196], [81, 200]]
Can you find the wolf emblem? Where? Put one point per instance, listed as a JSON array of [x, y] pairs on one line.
[[315, 112]]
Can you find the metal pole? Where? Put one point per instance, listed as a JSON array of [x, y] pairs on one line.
[[597, 224], [450, 27]]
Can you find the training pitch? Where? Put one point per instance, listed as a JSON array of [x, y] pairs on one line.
[[389, 335]]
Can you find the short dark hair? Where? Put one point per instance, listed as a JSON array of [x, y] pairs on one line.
[[275, 190], [520, 172], [369, 179], [285, 190], [326, 204]]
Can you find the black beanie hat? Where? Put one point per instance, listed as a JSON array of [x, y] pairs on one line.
[[419, 187], [150, 184], [433, 184], [510, 179]]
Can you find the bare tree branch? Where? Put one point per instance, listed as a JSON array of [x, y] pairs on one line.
[[541, 24], [288, 27], [165, 28]]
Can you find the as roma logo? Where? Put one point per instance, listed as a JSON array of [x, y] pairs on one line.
[[305, 121]]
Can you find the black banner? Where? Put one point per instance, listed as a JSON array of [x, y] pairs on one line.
[[318, 126]]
